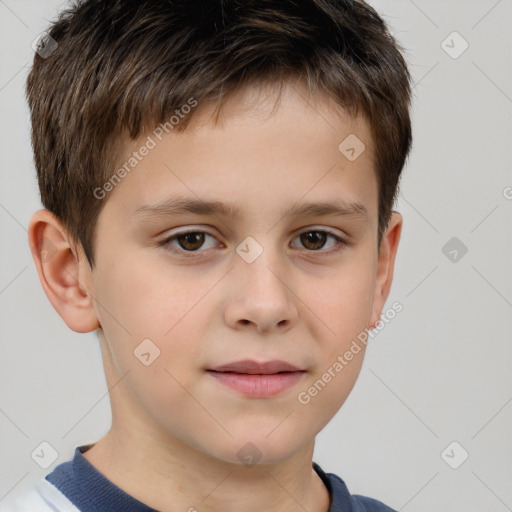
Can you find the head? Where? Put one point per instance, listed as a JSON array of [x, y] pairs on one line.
[[262, 106]]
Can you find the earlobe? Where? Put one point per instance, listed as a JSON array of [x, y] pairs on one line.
[[60, 272], [385, 266]]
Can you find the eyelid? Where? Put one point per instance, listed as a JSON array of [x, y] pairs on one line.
[[324, 229]]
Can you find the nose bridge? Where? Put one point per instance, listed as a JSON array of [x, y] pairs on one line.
[[261, 263], [262, 296]]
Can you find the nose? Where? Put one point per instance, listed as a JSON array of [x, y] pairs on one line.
[[261, 300]]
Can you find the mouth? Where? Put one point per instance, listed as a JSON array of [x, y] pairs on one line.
[[258, 380]]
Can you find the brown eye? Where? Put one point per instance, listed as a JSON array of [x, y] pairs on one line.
[[191, 241], [188, 242], [313, 240]]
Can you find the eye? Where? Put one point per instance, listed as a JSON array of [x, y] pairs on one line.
[[189, 241], [316, 239]]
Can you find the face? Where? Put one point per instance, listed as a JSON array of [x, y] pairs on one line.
[[254, 275]]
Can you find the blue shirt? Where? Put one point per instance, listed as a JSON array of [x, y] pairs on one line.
[[77, 485]]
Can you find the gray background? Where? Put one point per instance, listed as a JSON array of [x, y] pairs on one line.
[[439, 372]]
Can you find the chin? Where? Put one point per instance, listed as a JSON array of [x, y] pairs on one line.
[[248, 450]]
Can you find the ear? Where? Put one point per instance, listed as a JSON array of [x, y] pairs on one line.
[[63, 271], [385, 266]]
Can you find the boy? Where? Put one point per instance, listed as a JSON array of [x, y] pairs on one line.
[[218, 180]]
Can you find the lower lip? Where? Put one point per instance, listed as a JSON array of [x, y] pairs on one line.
[[258, 386]]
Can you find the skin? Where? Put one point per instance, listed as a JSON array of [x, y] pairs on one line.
[[175, 430]]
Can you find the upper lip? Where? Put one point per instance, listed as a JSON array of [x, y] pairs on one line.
[[253, 367]]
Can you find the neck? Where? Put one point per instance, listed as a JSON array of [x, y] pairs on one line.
[[171, 476]]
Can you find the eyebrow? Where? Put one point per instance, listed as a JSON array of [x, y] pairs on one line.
[[182, 205]]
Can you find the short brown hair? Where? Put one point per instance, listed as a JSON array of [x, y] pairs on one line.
[[126, 65]]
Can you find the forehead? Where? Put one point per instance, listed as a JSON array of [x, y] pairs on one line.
[[279, 147], [290, 100]]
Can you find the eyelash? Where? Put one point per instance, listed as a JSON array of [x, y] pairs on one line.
[[340, 245]]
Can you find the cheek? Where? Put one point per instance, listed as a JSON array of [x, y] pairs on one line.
[[136, 303], [149, 317], [342, 304], [344, 308], [148, 300]]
